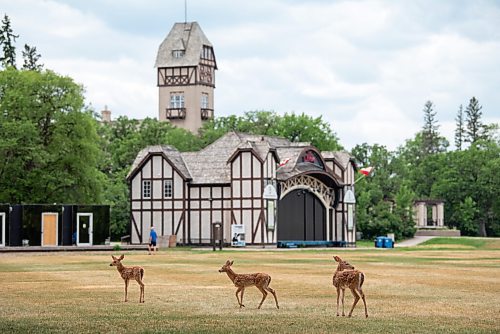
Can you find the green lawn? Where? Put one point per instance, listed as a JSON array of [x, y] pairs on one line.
[[418, 290]]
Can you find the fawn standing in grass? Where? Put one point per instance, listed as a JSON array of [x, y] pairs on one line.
[[127, 273], [346, 276], [241, 281]]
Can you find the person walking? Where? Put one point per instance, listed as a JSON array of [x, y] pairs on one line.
[[152, 241]]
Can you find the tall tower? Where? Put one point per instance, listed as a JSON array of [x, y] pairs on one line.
[[186, 67]]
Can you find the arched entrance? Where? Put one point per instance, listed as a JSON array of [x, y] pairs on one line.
[[301, 216]]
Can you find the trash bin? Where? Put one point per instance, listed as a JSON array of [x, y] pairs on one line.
[[172, 240], [379, 242], [388, 243], [217, 235]]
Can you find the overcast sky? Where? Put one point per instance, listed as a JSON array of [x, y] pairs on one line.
[[366, 67]]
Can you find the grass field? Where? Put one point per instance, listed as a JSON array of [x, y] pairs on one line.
[[443, 286]]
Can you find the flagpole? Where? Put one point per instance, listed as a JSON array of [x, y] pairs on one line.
[[359, 178]]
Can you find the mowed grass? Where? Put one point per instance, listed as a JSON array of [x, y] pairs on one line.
[[408, 291]]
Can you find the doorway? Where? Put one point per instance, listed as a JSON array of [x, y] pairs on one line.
[[301, 216], [84, 229], [49, 228]]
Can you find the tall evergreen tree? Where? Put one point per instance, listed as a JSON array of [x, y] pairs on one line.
[[31, 59], [459, 131], [430, 140], [475, 128], [7, 40]]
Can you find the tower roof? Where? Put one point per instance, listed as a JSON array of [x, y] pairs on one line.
[[187, 38]]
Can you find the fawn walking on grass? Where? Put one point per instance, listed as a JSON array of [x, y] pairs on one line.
[[241, 281], [128, 273], [346, 276]]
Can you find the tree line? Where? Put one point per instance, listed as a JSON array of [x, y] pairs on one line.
[[55, 149]]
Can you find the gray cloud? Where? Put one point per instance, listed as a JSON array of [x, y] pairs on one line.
[[367, 67]]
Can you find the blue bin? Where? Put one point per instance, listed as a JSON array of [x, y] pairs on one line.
[[388, 243], [379, 242]]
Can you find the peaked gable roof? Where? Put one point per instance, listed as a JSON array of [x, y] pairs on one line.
[[187, 37], [167, 151]]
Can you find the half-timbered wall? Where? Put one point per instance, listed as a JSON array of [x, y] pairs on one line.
[[247, 185], [165, 210], [269, 177], [208, 204]]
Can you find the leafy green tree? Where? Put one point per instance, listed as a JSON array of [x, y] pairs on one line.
[[7, 40], [49, 140], [466, 215], [471, 173], [403, 211], [296, 128]]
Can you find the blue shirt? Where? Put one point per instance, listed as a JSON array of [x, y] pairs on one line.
[[153, 235]]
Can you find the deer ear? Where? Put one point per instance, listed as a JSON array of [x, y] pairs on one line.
[[114, 258], [338, 259], [121, 257], [231, 263]]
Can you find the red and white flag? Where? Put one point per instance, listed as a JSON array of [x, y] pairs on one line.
[[283, 162], [366, 171]]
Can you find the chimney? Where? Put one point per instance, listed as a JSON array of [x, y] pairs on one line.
[[106, 115]]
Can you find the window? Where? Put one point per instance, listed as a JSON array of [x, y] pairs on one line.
[[206, 52], [146, 189], [204, 101], [177, 100], [167, 188], [178, 53]]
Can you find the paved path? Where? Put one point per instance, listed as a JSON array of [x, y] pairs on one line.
[[413, 241]]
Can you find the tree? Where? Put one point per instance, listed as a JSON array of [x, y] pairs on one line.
[[296, 128], [475, 128], [7, 40], [430, 135], [459, 131], [466, 215], [31, 59], [471, 173], [49, 144]]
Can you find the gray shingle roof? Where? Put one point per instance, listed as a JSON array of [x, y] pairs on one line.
[[184, 36], [343, 158], [170, 152], [210, 165]]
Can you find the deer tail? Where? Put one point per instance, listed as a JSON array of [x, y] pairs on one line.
[[142, 273], [361, 279]]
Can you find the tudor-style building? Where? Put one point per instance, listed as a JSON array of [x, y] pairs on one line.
[[183, 194], [186, 67]]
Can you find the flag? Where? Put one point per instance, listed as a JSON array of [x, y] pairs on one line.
[[284, 161], [366, 171]]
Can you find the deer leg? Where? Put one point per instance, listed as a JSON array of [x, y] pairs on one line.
[[364, 301], [356, 299], [238, 298], [338, 298], [241, 296], [126, 289], [141, 295], [274, 294], [342, 291], [264, 295]]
